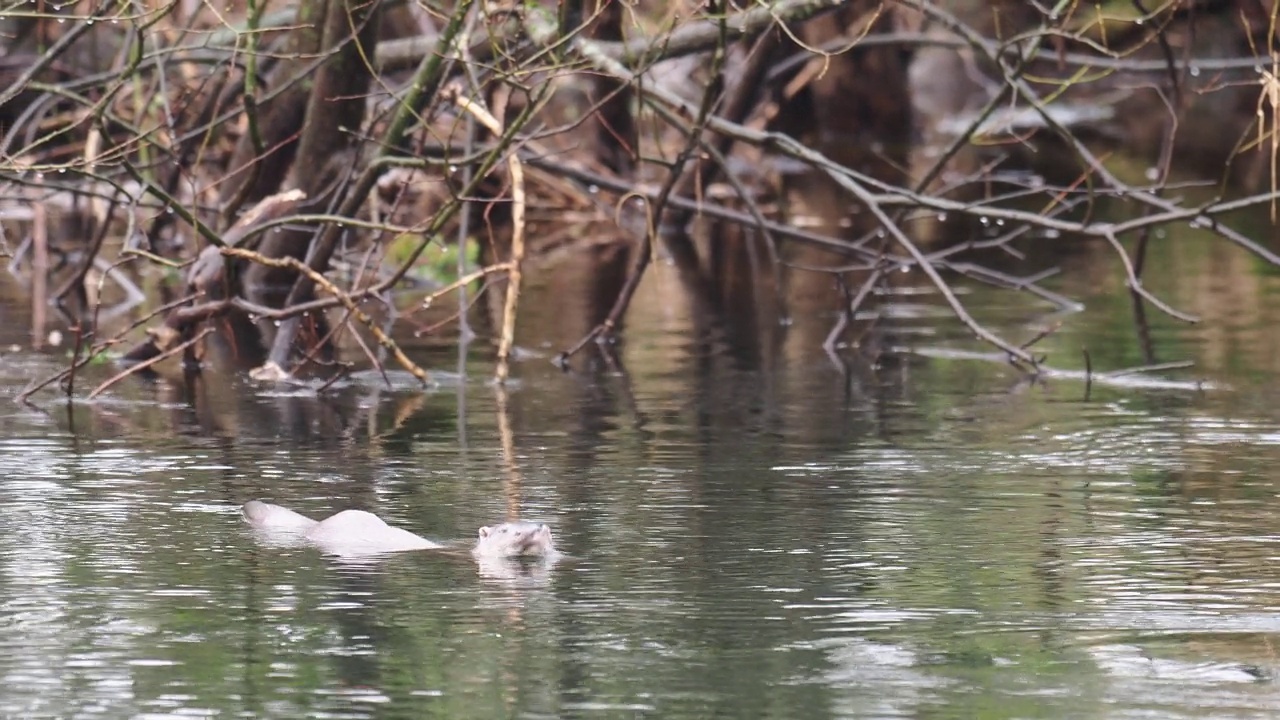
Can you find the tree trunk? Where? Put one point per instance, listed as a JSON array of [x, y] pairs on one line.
[[335, 107]]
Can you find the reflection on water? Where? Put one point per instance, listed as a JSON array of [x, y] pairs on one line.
[[1019, 556], [780, 539]]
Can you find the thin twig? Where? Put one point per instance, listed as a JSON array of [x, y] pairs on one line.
[[139, 367], [514, 167], [344, 298]]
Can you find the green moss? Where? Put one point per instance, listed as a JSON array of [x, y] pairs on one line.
[[438, 262]]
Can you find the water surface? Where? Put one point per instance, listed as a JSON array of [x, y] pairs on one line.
[[776, 538]]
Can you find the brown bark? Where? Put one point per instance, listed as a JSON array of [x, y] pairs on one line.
[[335, 108], [742, 96], [207, 280], [280, 115], [615, 127], [859, 99]]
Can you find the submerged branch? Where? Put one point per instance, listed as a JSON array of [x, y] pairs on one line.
[[159, 132], [342, 296], [139, 367]]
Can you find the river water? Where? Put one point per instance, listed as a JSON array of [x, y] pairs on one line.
[[766, 536]]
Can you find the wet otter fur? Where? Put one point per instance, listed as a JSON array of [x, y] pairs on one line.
[[515, 539], [356, 532]]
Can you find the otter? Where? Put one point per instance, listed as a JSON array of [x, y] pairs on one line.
[[515, 539], [356, 532]]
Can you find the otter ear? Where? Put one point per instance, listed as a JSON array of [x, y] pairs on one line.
[[484, 531]]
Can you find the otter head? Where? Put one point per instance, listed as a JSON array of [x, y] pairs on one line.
[[515, 539]]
